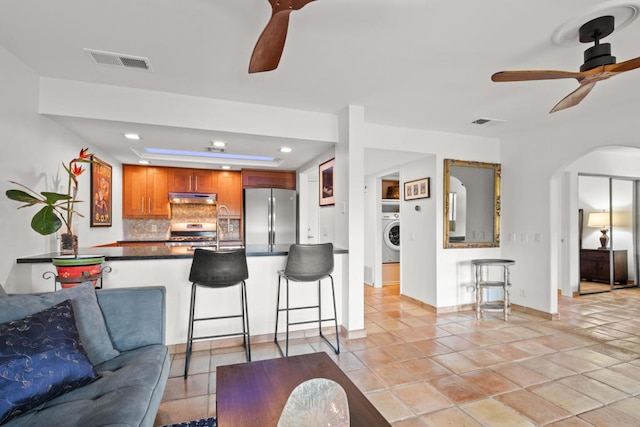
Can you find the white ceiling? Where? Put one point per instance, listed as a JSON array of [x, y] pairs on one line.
[[415, 63]]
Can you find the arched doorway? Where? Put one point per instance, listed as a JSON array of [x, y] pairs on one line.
[[604, 180]]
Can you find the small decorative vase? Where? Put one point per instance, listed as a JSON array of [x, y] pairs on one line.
[[73, 270], [68, 244]]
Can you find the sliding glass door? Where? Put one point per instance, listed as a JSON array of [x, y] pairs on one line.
[[608, 237]]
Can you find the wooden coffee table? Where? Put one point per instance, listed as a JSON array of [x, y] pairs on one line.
[[254, 393]]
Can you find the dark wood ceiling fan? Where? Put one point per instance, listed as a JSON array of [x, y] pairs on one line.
[[268, 50], [598, 65]]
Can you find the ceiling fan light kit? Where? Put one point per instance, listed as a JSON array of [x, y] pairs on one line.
[[598, 65]]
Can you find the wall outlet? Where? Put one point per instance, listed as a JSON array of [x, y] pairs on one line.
[[230, 227], [523, 293], [154, 228]]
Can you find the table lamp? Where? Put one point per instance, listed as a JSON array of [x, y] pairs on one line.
[[600, 220]]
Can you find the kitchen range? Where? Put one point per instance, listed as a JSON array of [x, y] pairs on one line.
[[194, 234], [188, 231]]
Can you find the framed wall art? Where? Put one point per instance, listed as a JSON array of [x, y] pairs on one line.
[[327, 196], [417, 189], [101, 207]]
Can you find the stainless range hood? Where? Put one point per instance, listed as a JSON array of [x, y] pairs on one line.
[[192, 198]]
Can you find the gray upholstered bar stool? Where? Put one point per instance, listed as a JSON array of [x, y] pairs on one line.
[[307, 263], [219, 269]]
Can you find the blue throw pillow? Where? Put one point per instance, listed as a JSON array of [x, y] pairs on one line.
[[41, 357], [89, 319]]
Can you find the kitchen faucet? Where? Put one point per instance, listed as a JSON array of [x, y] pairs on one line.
[[218, 224]]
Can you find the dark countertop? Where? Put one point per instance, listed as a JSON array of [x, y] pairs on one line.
[[236, 242], [138, 253]]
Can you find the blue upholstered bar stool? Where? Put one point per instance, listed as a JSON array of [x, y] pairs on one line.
[[219, 269], [307, 263]]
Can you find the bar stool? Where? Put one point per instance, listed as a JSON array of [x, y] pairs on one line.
[[482, 267], [307, 263], [219, 269]]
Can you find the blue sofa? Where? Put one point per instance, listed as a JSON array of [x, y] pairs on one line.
[[123, 337]]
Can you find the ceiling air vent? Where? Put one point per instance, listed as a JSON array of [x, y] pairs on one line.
[[487, 121], [119, 60]]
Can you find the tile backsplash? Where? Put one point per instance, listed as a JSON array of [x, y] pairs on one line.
[[159, 229], [146, 229], [193, 213]]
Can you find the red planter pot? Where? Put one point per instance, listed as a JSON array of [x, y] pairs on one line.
[[73, 270]]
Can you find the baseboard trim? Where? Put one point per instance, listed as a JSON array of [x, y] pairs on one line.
[[471, 307]]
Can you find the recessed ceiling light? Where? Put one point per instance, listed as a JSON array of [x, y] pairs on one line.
[[226, 167], [219, 143], [285, 149], [143, 162], [133, 136]]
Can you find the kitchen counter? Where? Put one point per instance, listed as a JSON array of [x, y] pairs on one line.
[[166, 266], [138, 253]]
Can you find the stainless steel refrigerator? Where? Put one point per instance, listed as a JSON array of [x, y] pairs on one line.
[[270, 217]]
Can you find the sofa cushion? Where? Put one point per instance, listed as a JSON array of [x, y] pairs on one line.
[[128, 393], [41, 357], [90, 322]]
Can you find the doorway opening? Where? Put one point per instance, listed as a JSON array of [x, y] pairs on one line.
[[390, 228]]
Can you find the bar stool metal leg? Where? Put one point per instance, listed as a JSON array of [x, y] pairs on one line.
[[275, 337], [246, 336], [192, 309], [335, 348]]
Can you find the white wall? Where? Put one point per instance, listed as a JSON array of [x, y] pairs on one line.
[[451, 267], [34, 147], [418, 232], [534, 163]]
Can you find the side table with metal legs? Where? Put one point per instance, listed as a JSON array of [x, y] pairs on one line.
[[484, 282]]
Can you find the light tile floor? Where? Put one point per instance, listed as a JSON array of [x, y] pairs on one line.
[[423, 369]]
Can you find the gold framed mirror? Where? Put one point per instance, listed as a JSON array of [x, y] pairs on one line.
[[471, 204]]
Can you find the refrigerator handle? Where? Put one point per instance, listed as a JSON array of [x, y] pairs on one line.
[[270, 221], [273, 220]]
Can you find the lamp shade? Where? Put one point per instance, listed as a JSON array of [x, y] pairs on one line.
[[598, 219]]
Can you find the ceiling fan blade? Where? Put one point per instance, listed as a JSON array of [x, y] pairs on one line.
[[574, 97], [270, 45], [629, 65], [526, 75], [268, 50]]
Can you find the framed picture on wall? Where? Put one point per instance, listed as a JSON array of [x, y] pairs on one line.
[[101, 207], [417, 189], [327, 196]]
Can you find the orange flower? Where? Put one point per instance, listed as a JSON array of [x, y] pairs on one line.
[[84, 154], [77, 170]]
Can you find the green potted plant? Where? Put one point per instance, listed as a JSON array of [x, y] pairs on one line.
[[57, 210]]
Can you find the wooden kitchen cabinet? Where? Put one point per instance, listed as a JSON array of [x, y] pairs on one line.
[[595, 265], [230, 192], [145, 192], [255, 178], [193, 180]]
